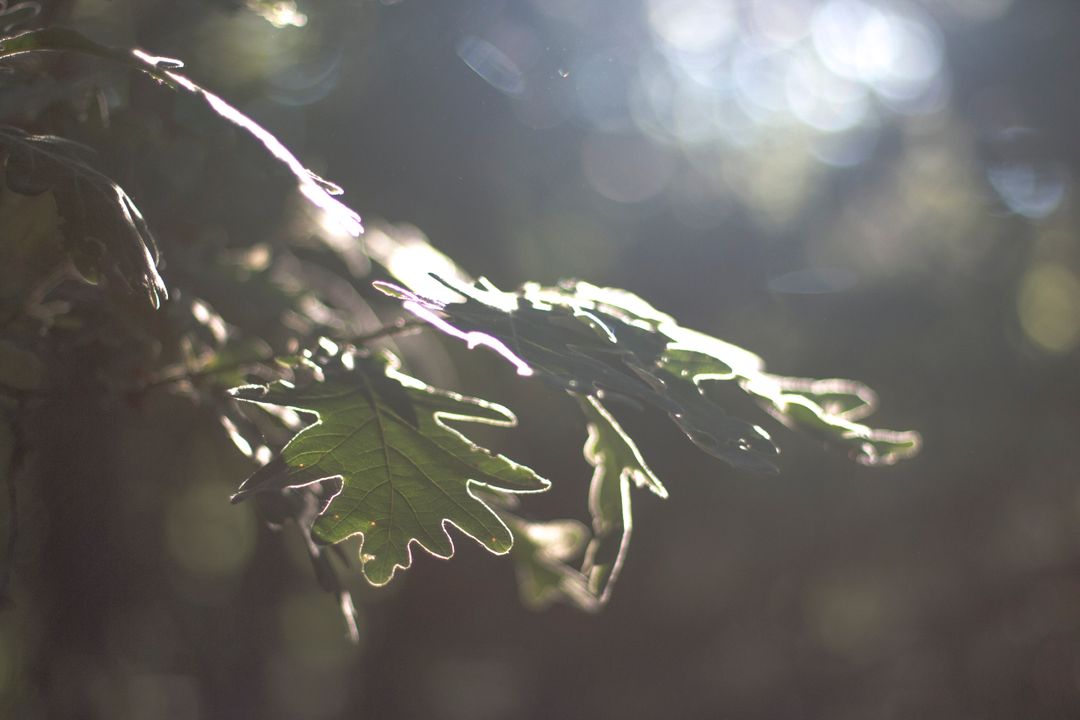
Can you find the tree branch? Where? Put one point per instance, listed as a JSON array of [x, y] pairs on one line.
[[398, 327]]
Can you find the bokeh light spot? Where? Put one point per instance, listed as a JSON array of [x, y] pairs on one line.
[[1049, 307], [280, 13], [625, 168], [492, 64], [206, 536], [1029, 189], [693, 26]]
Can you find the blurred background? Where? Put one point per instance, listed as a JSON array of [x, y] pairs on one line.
[[874, 189]]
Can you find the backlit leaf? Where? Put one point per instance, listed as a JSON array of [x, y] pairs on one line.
[[317, 190], [30, 249], [104, 231], [617, 463], [592, 340], [542, 552], [404, 473]]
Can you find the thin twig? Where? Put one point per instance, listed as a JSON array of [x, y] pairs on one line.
[[401, 325], [395, 328]]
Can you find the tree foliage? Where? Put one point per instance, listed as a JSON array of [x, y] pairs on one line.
[[280, 340]]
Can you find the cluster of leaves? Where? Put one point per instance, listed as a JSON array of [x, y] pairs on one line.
[[74, 246], [344, 443], [602, 343]]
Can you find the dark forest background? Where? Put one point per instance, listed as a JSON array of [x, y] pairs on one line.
[[876, 189]]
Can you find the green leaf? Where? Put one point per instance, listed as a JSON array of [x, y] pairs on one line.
[[826, 408], [104, 231], [611, 451], [842, 398], [405, 474], [29, 221], [617, 462], [30, 247], [317, 190], [542, 552], [575, 344], [593, 340]]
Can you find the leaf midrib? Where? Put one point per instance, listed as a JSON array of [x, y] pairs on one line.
[[378, 413]]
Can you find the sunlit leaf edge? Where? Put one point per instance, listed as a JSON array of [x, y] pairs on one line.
[[441, 413]]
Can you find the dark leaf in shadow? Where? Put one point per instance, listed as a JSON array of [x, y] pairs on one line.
[[104, 232]]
